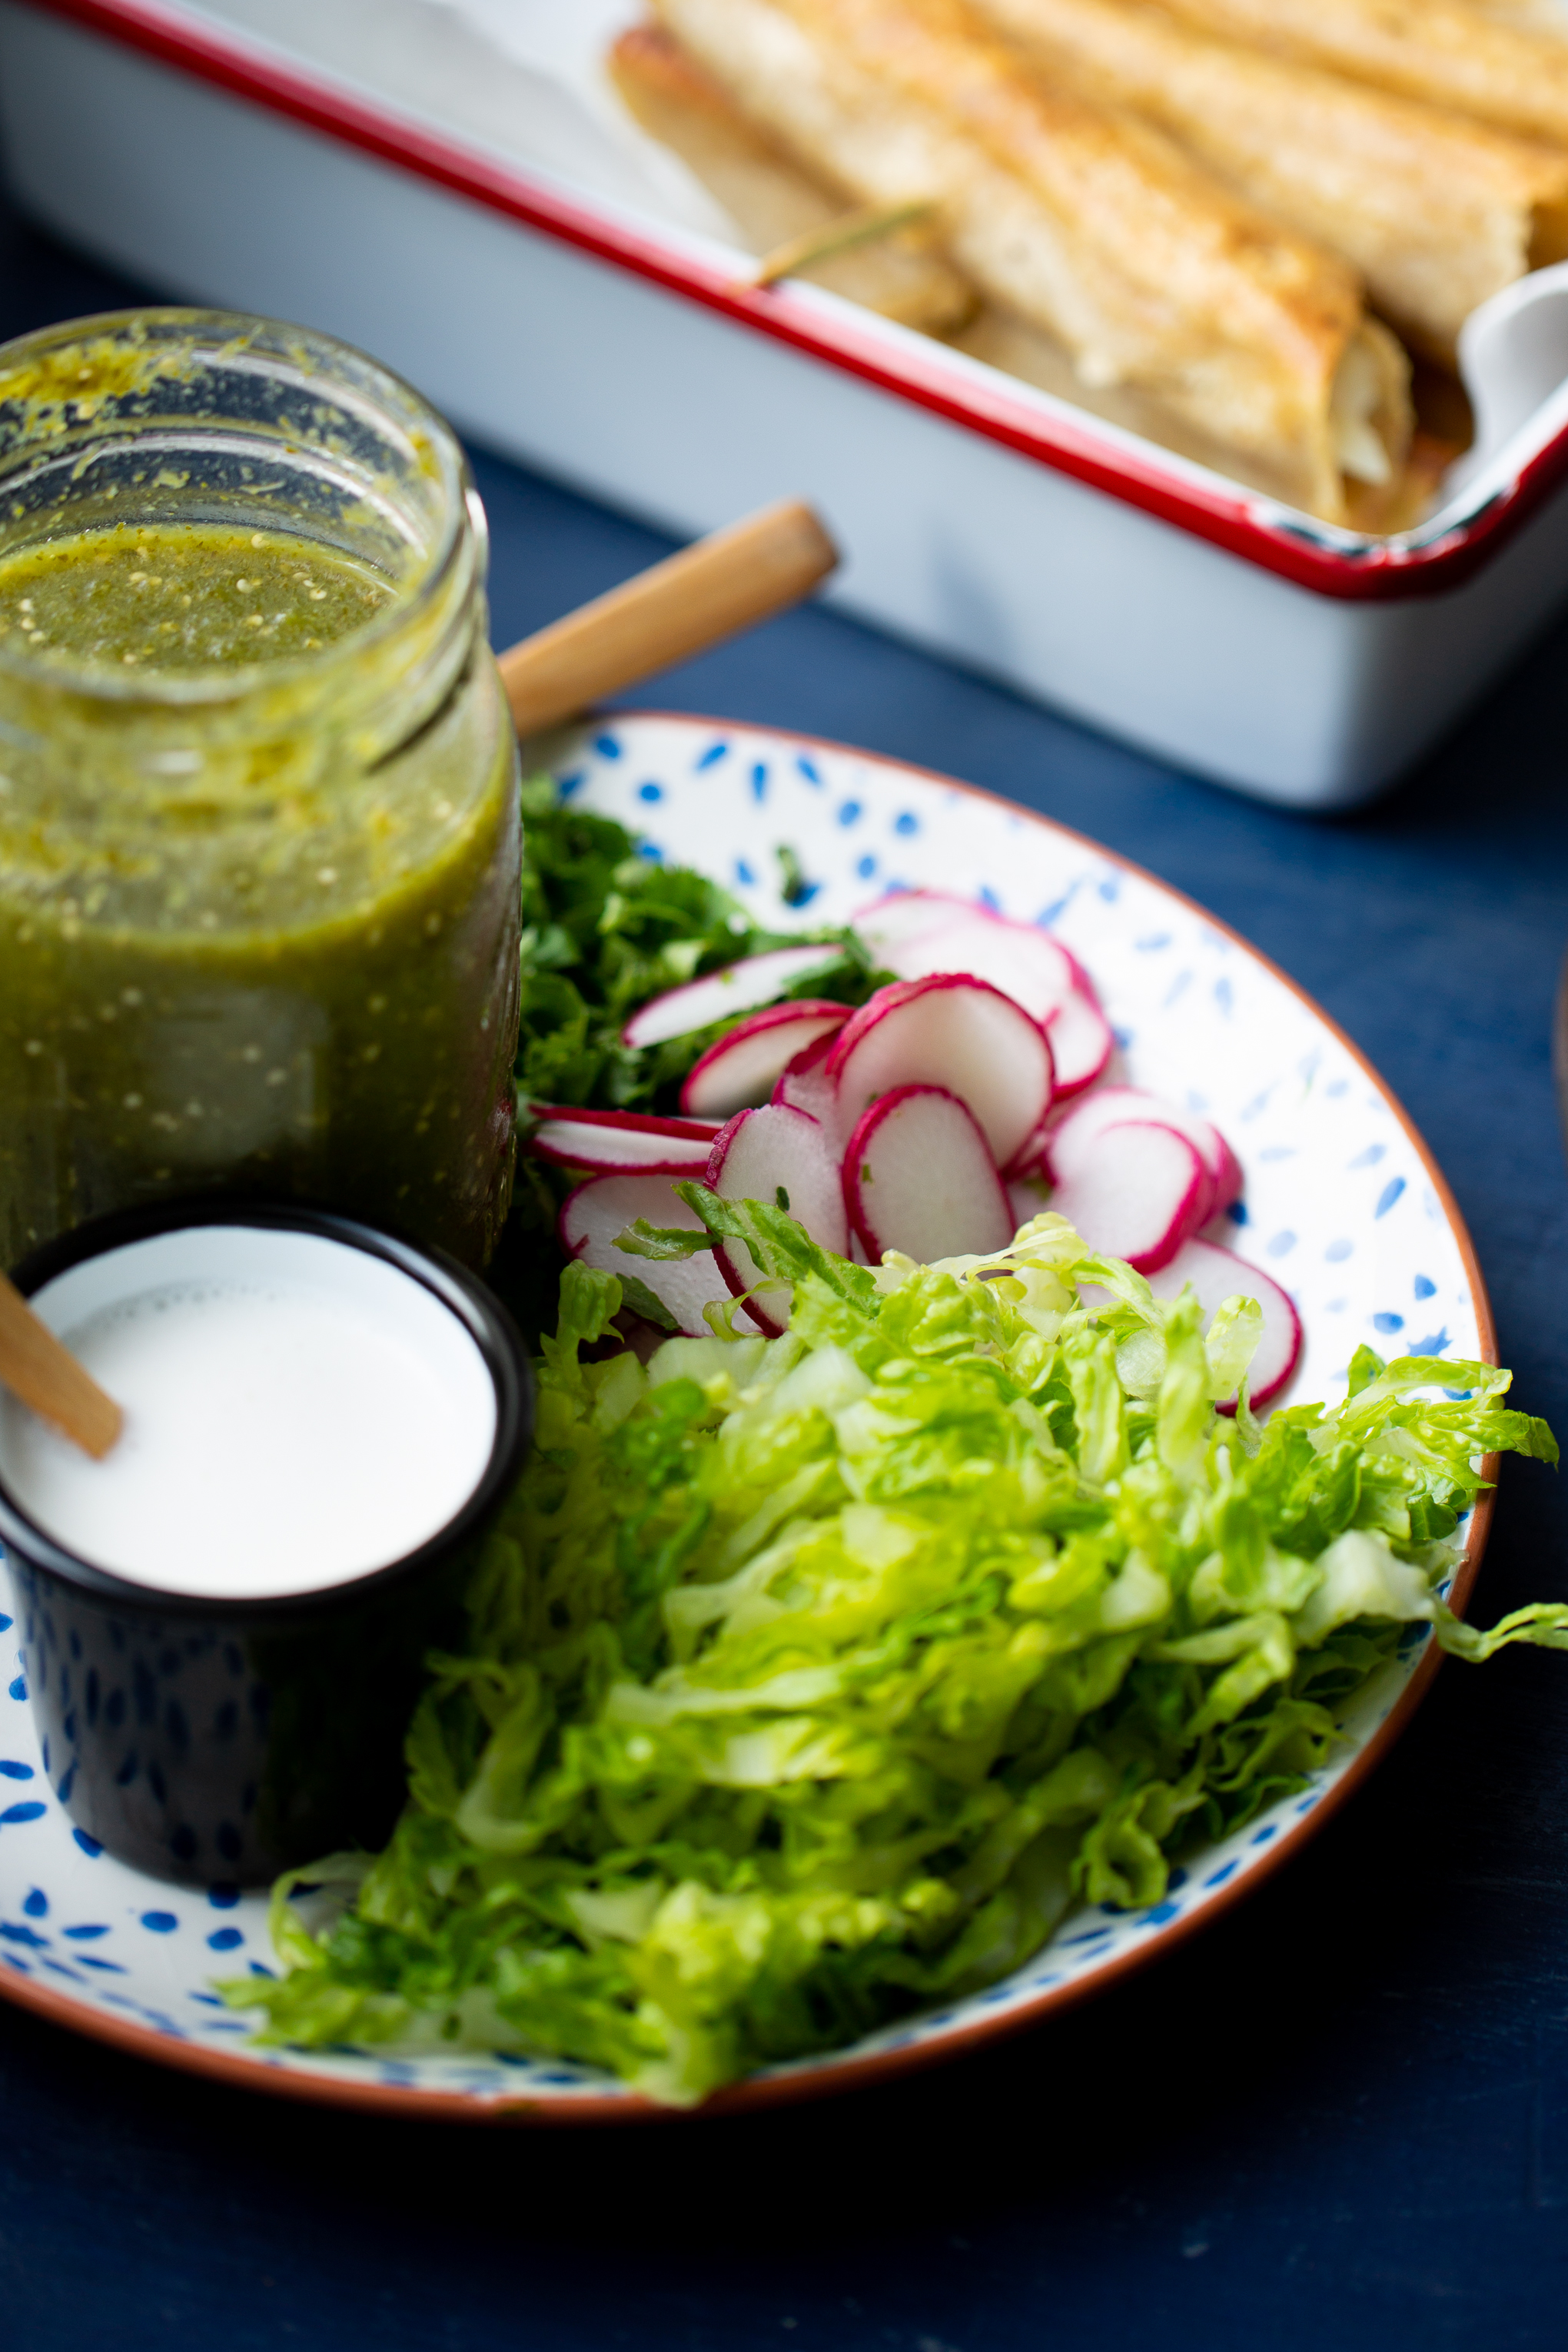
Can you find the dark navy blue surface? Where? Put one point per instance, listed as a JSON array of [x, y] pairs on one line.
[[1340, 2117]]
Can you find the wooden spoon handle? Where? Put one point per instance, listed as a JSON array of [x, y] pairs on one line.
[[721, 585], [42, 1371]]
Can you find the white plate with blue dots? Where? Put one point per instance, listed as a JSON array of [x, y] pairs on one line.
[[1342, 1205]]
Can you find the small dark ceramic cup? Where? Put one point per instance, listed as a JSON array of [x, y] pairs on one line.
[[205, 1740]]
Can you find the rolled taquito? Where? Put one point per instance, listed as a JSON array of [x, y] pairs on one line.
[[1539, 15], [1009, 343], [1498, 68], [1083, 220], [770, 200], [1436, 210]]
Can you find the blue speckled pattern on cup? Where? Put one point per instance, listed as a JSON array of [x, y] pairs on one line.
[[204, 1735]]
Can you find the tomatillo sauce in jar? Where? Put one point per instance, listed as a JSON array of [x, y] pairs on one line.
[[258, 813]]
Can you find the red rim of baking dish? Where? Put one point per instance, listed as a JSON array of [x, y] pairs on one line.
[[1312, 555], [834, 2074]]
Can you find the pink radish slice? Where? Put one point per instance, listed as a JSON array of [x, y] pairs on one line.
[[906, 914], [1217, 1275], [1231, 1181], [768, 1309], [1136, 1193], [947, 1031], [763, 1154], [745, 1067], [806, 1086], [1024, 964], [739, 988], [619, 1142], [1082, 1041], [597, 1211], [783, 1157], [919, 1177], [1028, 1163], [1069, 1135], [1068, 1138]]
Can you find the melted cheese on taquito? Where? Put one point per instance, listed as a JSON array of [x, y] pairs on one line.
[[1085, 220], [1436, 211], [1443, 51]]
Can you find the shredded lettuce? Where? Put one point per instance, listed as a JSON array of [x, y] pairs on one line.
[[811, 1680]]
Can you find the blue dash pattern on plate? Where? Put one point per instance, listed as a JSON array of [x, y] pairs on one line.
[[1342, 1206]]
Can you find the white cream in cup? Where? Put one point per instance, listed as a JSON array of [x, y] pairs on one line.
[[299, 1413]]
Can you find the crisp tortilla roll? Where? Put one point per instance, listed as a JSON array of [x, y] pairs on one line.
[[1489, 65], [1536, 15], [769, 199], [1084, 221], [1437, 211], [1005, 341], [675, 101]]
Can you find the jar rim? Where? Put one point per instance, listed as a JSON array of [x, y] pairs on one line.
[[400, 407]]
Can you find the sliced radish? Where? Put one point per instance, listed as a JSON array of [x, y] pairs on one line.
[[906, 914], [1024, 964], [614, 1141], [947, 1031], [594, 1216], [1231, 1180], [1027, 1165], [1082, 1041], [1217, 1275], [924, 933], [806, 1086], [919, 1177], [783, 1157], [1136, 1193], [756, 979], [745, 1067], [1069, 1135], [1067, 1139]]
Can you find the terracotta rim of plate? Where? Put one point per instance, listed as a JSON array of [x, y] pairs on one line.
[[830, 2076]]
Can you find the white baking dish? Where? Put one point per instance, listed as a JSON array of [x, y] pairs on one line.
[[590, 333]]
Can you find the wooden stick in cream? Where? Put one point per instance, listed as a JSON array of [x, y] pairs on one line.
[[42, 1371]]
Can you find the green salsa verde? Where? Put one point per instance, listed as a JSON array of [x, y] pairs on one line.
[[184, 596], [299, 977]]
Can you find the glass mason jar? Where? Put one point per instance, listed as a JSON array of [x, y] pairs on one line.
[[258, 881]]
